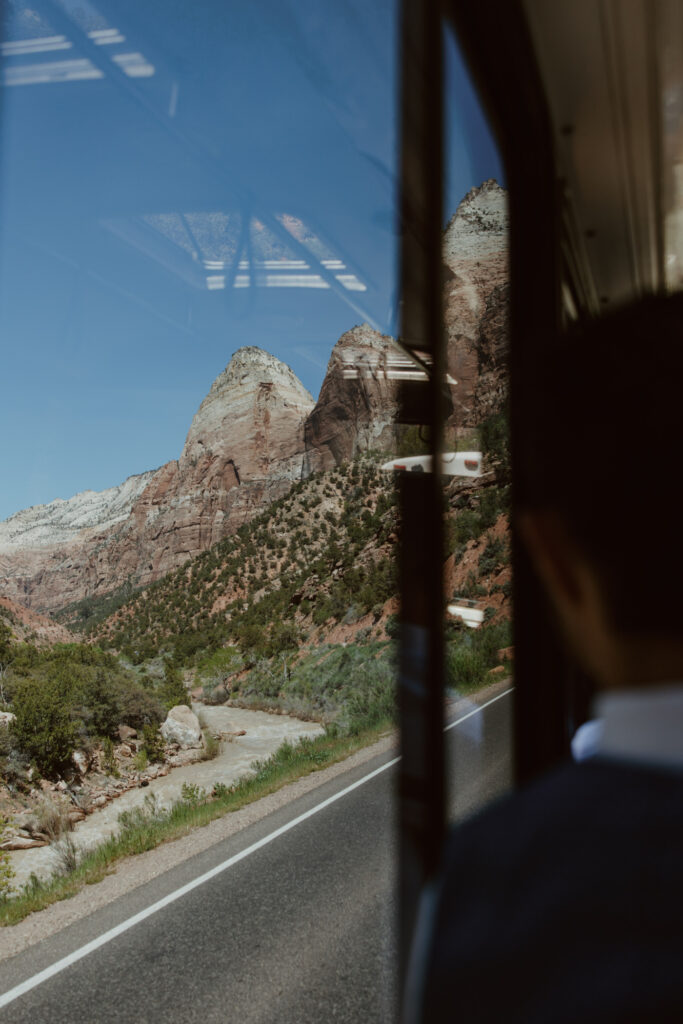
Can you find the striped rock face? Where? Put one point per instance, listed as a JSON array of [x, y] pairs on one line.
[[244, 449], [475, 255], [356, 410]]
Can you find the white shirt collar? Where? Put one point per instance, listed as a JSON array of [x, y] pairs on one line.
[[643, 725]]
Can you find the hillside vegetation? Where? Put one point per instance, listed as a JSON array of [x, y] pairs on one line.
[[325, 548], [297, 610]]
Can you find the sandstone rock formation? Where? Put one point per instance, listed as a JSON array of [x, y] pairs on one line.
[[46, 548], [475, 253], [243, 450], [356, 409]]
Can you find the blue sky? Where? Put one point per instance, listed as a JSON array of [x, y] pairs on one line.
[[178, 180]]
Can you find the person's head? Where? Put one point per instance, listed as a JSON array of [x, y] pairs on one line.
[[603, 494]]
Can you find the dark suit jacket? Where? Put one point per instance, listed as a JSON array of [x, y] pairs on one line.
[[565, 903]]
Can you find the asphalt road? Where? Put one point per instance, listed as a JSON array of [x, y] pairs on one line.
[[300, 929]]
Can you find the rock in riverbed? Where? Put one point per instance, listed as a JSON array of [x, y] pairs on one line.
[[182, 727]]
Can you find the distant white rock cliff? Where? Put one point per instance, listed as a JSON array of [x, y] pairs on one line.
[[62, 520]]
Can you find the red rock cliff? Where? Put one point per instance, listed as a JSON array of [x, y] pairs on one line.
[[243, 450], [356, 409]]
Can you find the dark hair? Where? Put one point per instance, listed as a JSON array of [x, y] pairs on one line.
[[608, 430]]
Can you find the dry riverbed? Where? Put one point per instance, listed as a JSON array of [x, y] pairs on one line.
[[263, 734]]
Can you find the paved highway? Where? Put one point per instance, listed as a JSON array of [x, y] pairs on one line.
[[297, 928]]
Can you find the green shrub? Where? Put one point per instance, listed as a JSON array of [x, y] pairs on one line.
[[43, 726], [492, 502], [99, 708], [392, 627], [465, 668], [153, 744], [192, 794], [373, 700], [466, 527], [6, 869], [471, 653], [493, 557], [138, 708], [141, 760], [212, 746], [495, 443], [108, 759]]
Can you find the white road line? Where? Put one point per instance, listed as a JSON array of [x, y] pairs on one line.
[[119, 929], [479, 707]]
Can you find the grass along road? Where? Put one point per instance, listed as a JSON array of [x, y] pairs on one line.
[[144, 828]]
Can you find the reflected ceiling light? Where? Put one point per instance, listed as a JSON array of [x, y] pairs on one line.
[[51, 71], [393, 367], [351, 282], [295, 281], [106, 36], [19, 47], [283, 264], [206, 243], [134, 65], [305, 236]]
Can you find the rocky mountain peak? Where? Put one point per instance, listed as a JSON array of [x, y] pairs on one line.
[[253, 362], [479, 226], [356, 408], [244, 407], [365, 336]]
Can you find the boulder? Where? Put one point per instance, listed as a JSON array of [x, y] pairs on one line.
[[80, 761], [182, 727], [126, 733], [6, 718]]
